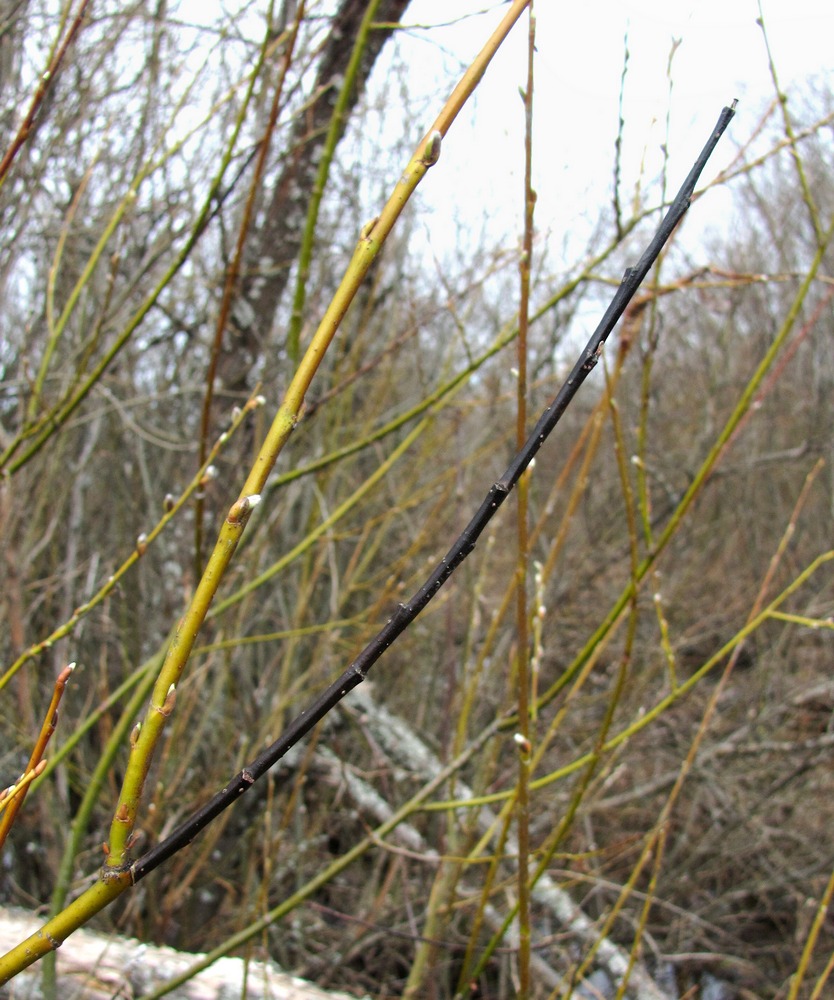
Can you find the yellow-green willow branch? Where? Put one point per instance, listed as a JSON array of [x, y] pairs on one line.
[[116, 875]]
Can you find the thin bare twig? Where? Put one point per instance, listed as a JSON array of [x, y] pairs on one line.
[[14, 796]]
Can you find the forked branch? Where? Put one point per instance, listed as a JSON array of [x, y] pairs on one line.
[[405, 614]]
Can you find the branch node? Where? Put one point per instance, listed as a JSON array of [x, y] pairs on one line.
[[241, 509], [167, 706], [116, 873]]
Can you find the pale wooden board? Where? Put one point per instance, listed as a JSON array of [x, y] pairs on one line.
[[95, 966]]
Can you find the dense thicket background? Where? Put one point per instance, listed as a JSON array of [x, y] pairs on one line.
[[119, 221]]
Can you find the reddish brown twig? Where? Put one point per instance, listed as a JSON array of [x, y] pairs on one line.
[[46, 80], [14, 795]]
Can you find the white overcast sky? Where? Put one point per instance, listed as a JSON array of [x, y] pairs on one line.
[[580, 46]]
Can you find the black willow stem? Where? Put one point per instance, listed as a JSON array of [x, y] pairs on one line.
[[464, 544]]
